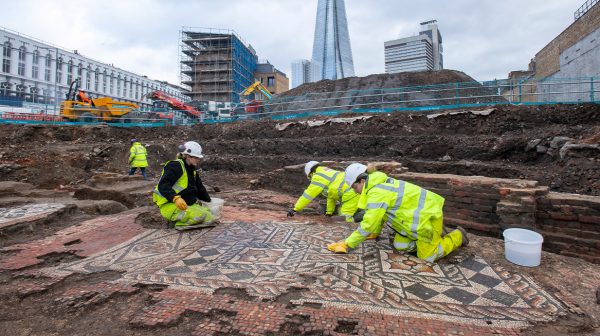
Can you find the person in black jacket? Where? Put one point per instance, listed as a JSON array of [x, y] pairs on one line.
[[179, 189]]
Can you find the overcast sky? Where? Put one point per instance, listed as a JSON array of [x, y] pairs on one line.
[[484, 38]]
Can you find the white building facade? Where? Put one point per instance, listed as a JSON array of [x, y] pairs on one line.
[[301, 72], [408, 54], [39, 72], [416, 53]]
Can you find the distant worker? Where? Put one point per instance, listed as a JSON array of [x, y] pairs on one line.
[[137, 158], [331, 184], [415, 214], [179, 189], [83, 97]]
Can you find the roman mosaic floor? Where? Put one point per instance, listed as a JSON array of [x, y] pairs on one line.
[[269, 258], [27, 213]]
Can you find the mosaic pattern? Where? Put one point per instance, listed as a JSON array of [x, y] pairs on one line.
[[25, 213], [268, 259]]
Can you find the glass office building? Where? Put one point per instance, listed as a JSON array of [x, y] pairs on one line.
[[301, 72], [332, 54]]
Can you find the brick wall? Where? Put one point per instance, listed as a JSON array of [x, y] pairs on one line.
[[547, 60], [569, 223]]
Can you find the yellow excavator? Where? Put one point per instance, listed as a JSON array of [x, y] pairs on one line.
[[79, 107], [256, 106]]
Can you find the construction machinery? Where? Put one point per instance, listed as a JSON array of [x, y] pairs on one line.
[[80, 107], [256, 106], [189, 111]]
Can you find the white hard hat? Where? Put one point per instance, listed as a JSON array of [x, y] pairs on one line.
[[353, 171], [309, 166], [192, 148]]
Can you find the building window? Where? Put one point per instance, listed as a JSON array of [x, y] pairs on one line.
[[270, 81], [59, 70], [119, 85], [21, 90], [35, 64], [22, 56], [5, 88], [104, 79], [80, 70], [6, 52], [131, 88], [125, 87], [96, 79], [88, 77], [112, 82], [48, 70], [70, 72]]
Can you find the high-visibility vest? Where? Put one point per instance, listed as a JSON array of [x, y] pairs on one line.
[[181, 184], [137, 156], [408, 208], [328, 182]]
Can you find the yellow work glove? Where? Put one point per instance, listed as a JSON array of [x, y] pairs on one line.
[[339, 247], [180, 203]]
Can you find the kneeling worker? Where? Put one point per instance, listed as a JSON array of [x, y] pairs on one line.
[[179, 189], [415, 214], [331, 184]]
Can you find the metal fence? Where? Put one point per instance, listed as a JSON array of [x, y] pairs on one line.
[[524, 91], [584, 8]]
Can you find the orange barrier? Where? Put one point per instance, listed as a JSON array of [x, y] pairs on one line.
[[31, 116]]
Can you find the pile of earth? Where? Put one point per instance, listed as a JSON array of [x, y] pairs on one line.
[[370, 91], [507, 141]]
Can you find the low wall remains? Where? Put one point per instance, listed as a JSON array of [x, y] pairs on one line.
[[569, 223]]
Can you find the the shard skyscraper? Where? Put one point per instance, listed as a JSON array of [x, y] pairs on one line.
[[332, 54]]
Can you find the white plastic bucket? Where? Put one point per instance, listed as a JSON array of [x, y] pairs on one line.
[[215, 206], [523, 247]]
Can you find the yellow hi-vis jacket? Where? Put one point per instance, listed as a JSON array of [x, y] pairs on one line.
[[330, 183], [408, 208], [181, 184], [137, 156]]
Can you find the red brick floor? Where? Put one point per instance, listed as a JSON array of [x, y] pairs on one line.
[[82, 240], [218, 314], [260, 318]]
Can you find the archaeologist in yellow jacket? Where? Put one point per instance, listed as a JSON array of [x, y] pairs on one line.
[[330, 183], [179, 189], [415, 214], [137, 158]]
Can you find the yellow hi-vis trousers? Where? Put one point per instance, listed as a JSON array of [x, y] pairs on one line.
[[437, 248], [193, 215]]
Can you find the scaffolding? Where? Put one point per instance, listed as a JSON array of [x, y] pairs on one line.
[[215, 64]]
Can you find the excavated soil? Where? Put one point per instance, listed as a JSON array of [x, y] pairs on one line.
[[400, 90], [511, 142]]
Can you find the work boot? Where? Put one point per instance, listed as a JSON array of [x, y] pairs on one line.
[[195, 226], [465, 239], [373, 236]]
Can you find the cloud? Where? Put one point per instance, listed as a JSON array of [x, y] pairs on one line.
[[485, 39]]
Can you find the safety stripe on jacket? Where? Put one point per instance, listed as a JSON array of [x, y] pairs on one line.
[[391, 213]]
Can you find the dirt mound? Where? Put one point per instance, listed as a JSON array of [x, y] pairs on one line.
[[401, 90], [381, 81], [509, 142]]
